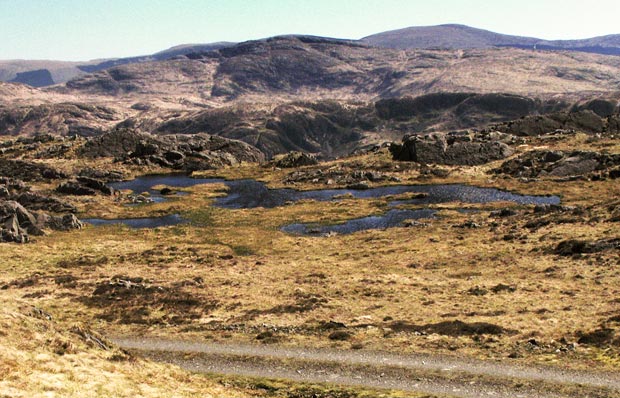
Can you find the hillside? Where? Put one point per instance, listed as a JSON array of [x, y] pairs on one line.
[[315, 94], [42, 73], [453, 36], [444, 36], [290, 67]]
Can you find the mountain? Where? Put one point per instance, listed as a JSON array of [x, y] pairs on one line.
[[453, 36], [445, 36], [46, 73], [41, 73], [293, 67], [321, 95]]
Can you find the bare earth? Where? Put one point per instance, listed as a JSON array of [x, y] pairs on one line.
[[429, 374]]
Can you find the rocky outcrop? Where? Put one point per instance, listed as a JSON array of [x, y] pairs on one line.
[[330, 128], [75, 188], [17, 223], [603, 107], [117, 143], [353, 179], [84, 186], [466, 109], [562, 164], [456, 148], [65, 222], [37, 201], [28, 171], [583, 120], [95, 184], [21, 215], [101, 175], [16, 190], [59, 119], [295, 159], [179, 152], [574, 246]]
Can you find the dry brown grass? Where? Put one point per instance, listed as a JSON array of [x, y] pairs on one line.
[[45, 358], [241, 276]]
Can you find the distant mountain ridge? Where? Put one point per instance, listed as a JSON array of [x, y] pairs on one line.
[[453, 36], [45, 73], [324, 95], [40, 73]]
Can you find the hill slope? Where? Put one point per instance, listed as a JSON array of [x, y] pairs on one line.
[[461, 37], [42, 73], [45, 73], [316, 94], [308, 67]]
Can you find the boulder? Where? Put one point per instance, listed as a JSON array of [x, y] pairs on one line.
[[96, 184], [455, 148], [295, 159], [75, 188], [11, 208], [17, 223], [12, 232], [64, 223]]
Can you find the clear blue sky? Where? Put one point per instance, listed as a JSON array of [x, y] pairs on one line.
[[88, 29]]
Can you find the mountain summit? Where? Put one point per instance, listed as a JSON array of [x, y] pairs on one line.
[[453, 36]]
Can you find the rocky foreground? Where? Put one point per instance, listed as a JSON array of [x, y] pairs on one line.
[[29, 212]]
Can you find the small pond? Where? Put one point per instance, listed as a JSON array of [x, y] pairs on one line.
[[392, 218], [245, 194]]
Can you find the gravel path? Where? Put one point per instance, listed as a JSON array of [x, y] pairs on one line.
[[429, 374]]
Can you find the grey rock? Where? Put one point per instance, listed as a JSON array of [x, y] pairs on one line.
[[16, 223], [65, 223], [173, 156], [561, 164], [36, 201], [96, 185], [75, 188], [455, 148], [180, 152], [295, 159]]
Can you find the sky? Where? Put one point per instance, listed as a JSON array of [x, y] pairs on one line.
[[80, 30]]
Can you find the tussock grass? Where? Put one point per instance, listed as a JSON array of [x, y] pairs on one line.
[[242, 276], [41, 357]]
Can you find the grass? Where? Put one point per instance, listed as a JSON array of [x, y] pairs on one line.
[[239, 276], [43, 358], [285, 389]]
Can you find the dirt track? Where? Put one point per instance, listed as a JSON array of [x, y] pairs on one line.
[[430, 374]]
